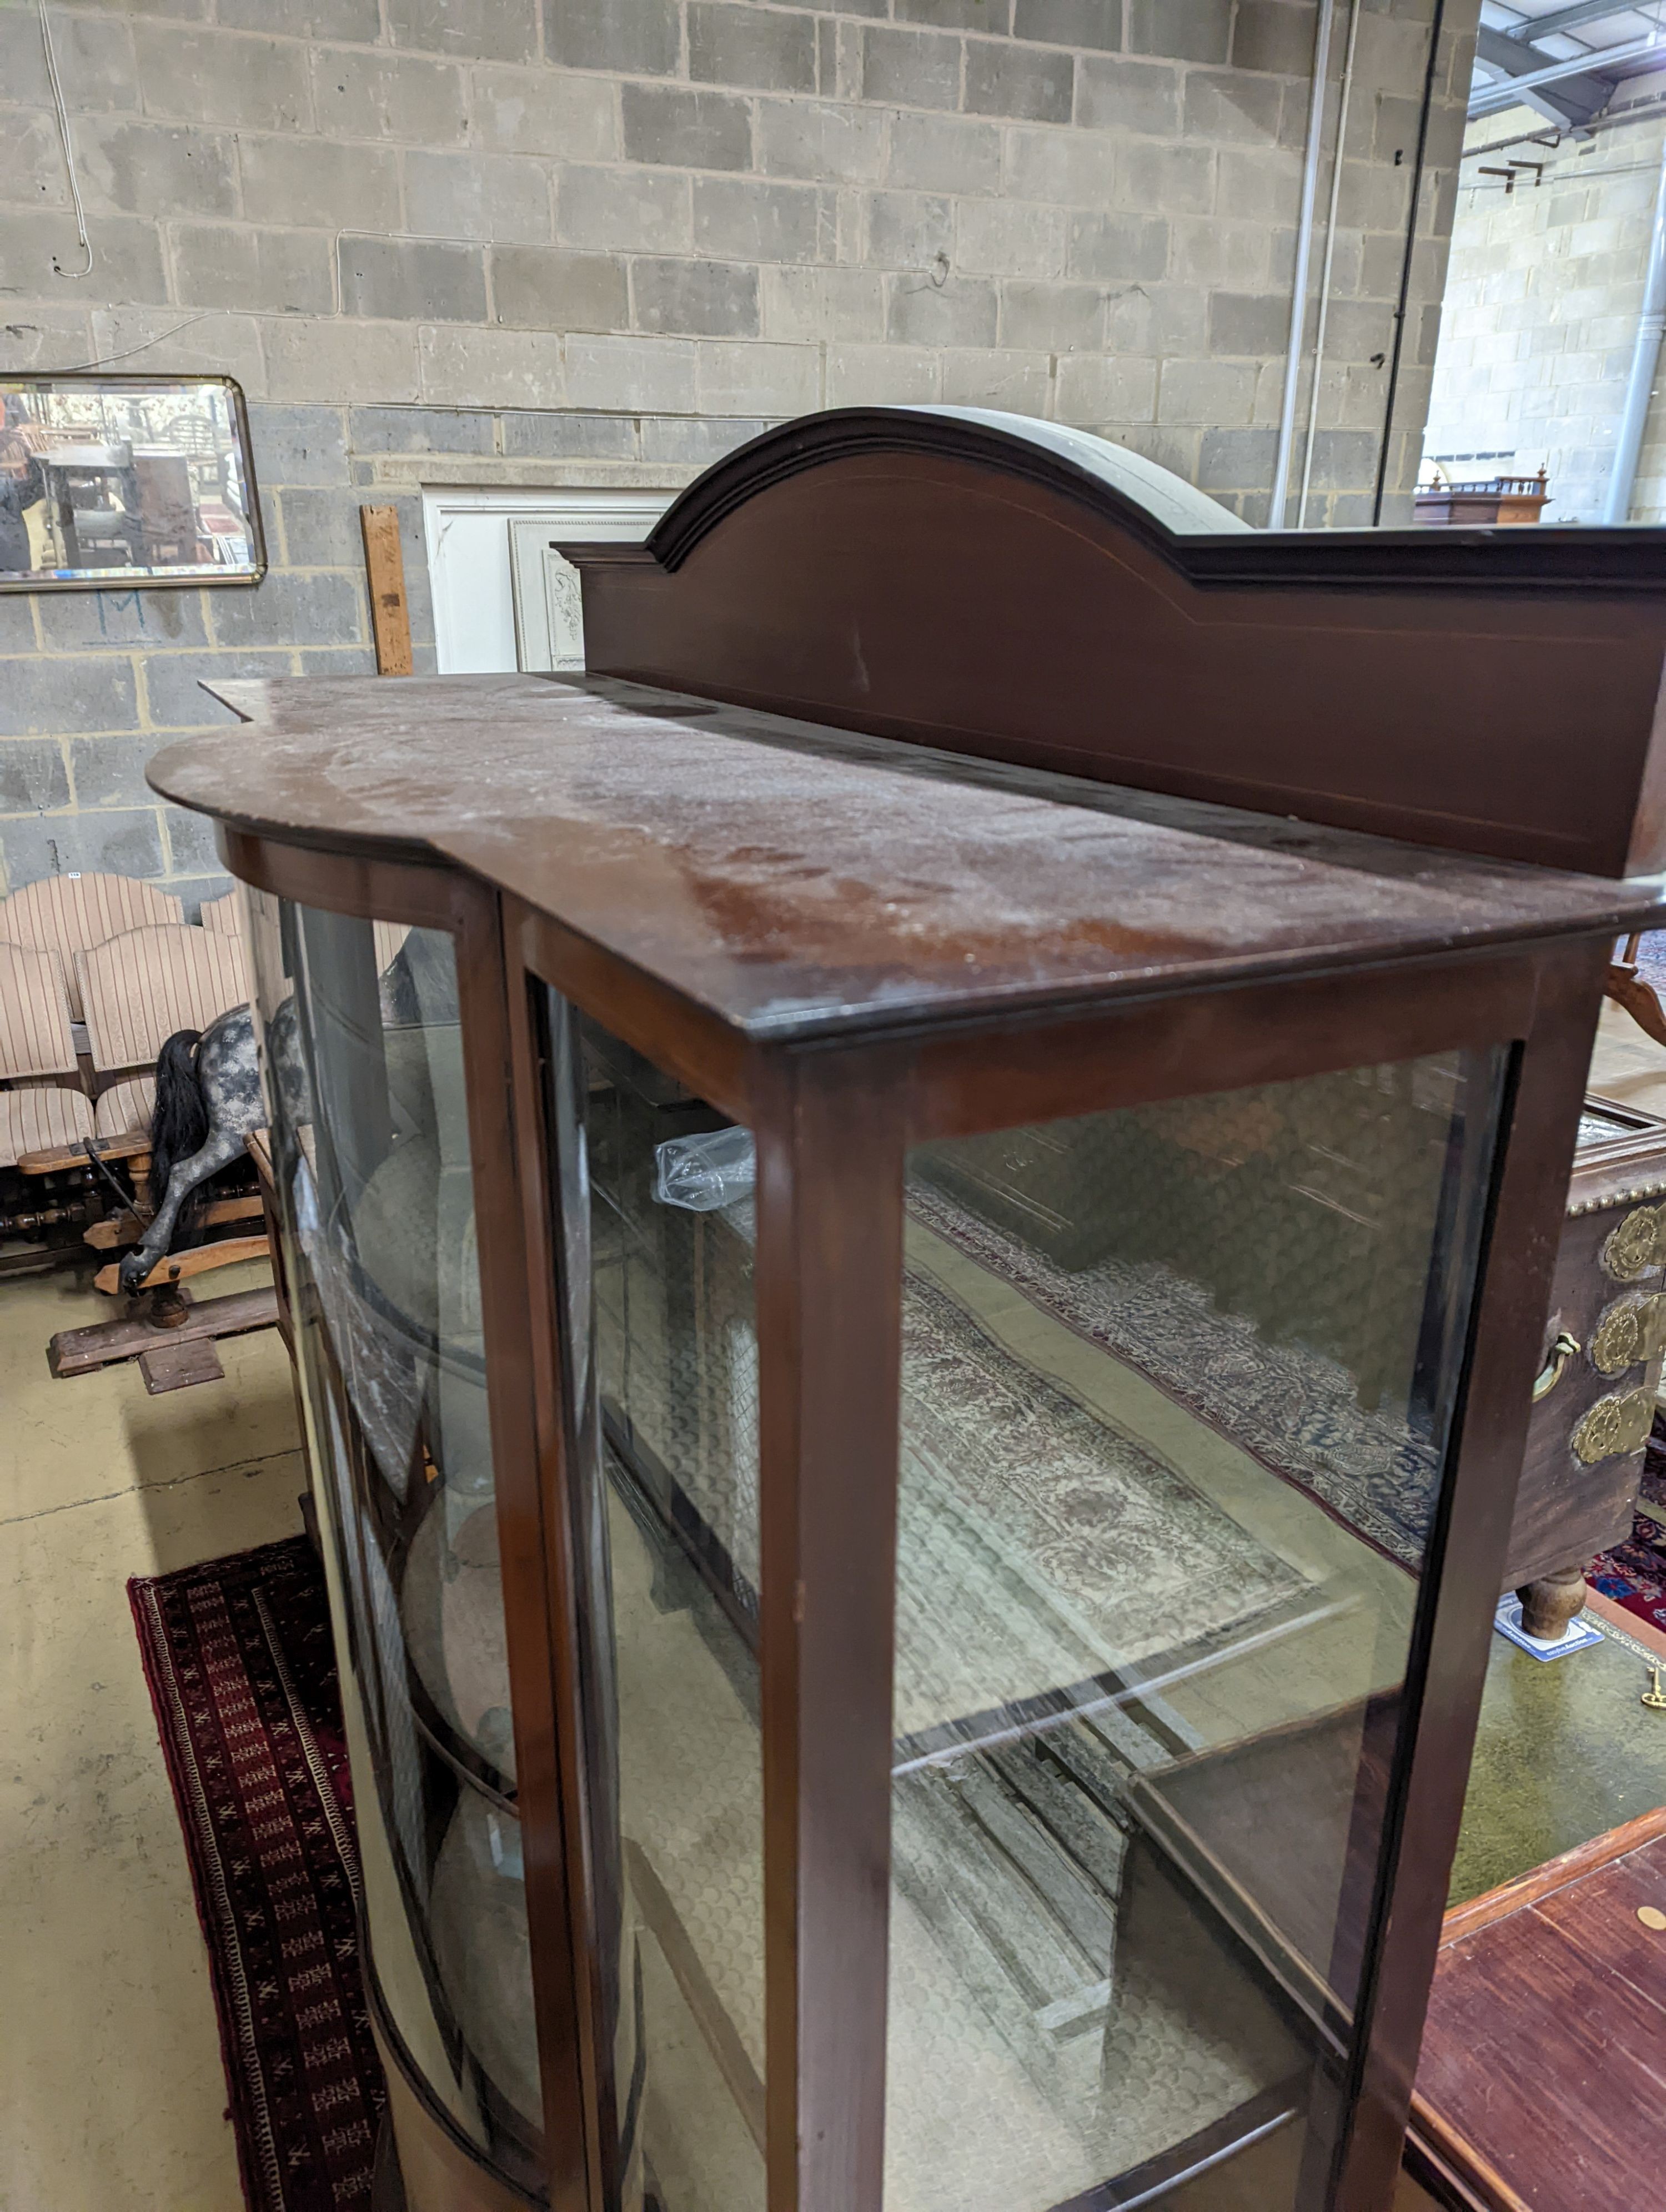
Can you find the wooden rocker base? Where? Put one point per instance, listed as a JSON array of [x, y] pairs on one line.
[[179, 1266], [1627, 988], [168, 1349], [119, 1229]]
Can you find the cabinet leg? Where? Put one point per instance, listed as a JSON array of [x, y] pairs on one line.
[[1549, 1604]]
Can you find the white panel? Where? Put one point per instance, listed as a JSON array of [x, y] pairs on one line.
[[474, 627], [549, 602], [503, 599]]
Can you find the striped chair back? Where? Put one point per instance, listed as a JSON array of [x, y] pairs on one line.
[[142, 985], [68, 915], [34, 1014], [221, 916], [390, 937]]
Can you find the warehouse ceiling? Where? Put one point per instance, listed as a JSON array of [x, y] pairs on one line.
[[1565, 62]]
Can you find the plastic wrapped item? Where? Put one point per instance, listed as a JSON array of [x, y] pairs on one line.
[[705, 1173]]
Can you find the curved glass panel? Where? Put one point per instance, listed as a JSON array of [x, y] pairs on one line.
[[1176, 1388], [662, 1356], [361, 1048]]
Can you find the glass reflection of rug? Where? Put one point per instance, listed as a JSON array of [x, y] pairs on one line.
[[1041, 1544], [1045, 1549], [1294, 1409], [1634, 1575], [241, 1669]]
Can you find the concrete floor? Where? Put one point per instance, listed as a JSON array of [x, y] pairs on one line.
[[113, 2094]]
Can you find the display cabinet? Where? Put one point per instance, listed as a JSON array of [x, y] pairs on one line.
[[917, 1336]]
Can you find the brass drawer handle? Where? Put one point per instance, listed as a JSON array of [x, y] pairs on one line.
[[1565, 1348]]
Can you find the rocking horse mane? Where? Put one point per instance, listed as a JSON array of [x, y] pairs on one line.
[[180, 1120]]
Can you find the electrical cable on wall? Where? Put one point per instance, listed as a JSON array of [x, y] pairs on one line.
[[104, 359], [53, 79]]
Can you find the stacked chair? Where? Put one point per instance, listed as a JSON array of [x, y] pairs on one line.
[[96, 972], [42, 1105]]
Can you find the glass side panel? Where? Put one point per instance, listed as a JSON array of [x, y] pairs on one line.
[[661, 1354], [1176, 1385], [361, 1057]]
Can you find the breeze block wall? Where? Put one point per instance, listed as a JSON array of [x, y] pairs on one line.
[[599, 241]]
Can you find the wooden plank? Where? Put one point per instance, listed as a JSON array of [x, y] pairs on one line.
[[179, 1266], [127, 1228], [385, 573], [1555, 1874], [80, 1350], [60, 1156], [177, 1367]]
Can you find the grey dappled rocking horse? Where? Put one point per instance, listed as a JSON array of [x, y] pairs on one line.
[[209, 1098]]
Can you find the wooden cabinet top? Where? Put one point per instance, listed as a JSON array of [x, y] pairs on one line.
[[797, 880]]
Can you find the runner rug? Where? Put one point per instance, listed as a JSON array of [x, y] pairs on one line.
[[238, 1655]]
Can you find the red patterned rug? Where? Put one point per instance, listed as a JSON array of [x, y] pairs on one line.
[[242, 1676], [1633, 1575]]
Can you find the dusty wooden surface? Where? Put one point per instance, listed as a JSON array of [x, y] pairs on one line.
[[799, 880], [1542, 2070]]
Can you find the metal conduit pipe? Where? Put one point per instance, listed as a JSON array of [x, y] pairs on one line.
[[1646, 359], [1292, 363], [1329, 261]]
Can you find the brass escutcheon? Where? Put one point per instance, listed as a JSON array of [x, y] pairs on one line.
[[1628, 1333], [1633, 1247], [1615, 1424]]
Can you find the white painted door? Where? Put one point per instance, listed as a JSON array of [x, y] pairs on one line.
[[503, 598]]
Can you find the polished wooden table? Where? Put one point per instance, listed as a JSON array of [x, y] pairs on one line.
[[1539, 2088]]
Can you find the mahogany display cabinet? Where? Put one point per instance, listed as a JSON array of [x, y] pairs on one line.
[[918, 1325]]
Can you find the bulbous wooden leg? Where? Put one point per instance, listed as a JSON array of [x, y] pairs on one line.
[[1550, 1603], [164, 1308]]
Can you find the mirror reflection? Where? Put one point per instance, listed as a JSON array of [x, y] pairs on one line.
[[140, 479]]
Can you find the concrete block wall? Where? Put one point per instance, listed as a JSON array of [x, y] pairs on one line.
[[1545, 286], [590, 241]]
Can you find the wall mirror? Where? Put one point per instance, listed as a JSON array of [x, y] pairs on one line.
[[135, 479]]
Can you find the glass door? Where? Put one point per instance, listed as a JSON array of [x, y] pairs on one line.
[[1176, 1388], [361, 1051], [661, 1352]]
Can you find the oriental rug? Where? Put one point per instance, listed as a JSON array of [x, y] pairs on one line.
[[1634, 1575], [238, 1659]]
